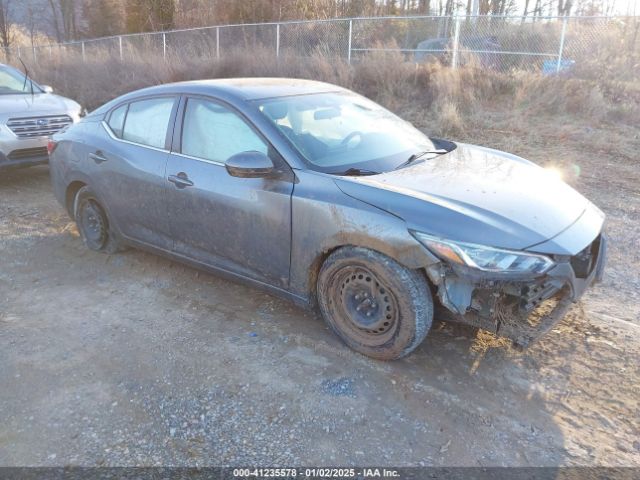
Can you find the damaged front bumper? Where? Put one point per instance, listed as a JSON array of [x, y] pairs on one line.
[[521, 309]]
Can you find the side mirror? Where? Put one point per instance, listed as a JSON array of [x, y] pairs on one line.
[[47, 88], [249, 165]]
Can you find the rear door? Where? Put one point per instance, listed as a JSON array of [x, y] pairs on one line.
[[242, 225], [131, 168]]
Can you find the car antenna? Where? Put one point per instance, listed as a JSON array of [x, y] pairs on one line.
[[26, 77]]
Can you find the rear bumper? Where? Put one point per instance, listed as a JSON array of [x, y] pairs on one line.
[[521, 310]]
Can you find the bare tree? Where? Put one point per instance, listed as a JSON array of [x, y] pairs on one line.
[[540, 6], [448, 7], [31, 25], [63, 14], [6, 26], [103, 17], [424, 7], [564, 7], [69, 19]]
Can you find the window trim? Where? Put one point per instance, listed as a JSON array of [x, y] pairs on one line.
[[107, 128], [177, 98]]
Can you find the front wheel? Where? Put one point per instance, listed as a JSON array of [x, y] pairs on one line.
[[375, 305]]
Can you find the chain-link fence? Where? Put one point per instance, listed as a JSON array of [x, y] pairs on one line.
[[547, 44]]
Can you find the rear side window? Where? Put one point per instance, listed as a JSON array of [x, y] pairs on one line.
[[116, 120], [147, 121], [213, 132]]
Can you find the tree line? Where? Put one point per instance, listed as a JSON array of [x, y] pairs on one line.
[[24, 21]]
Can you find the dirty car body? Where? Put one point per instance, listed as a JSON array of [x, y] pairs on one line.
[[505, 245]]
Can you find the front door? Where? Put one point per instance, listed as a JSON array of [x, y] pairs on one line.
[[242, 225]]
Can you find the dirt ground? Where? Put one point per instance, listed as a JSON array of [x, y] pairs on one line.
[[131, 359]]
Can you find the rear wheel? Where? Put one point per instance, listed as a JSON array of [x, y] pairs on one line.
[[375, 305], [93, 223]]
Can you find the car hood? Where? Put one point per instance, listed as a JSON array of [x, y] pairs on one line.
[[478, 195], [38, 104]]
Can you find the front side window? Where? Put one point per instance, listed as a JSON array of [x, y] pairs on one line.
[[147, 121], [337, 131], [213, 132]]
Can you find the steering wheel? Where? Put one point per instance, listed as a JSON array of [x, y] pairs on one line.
[[345, 141]]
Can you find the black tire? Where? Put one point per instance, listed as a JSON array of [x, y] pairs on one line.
[[93, 224], [375, 305]]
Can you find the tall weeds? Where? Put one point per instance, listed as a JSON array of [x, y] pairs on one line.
[[433, 96]]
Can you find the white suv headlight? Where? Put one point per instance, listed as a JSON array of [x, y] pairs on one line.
[[487, 259]]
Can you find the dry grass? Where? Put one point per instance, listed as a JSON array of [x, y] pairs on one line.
[[545, 118], [438, 99]]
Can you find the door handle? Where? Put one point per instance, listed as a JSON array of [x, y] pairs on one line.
[[98, 157], [180, 180]]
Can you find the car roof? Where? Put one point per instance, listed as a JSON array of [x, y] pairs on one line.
[[258, 88], [242, 89]]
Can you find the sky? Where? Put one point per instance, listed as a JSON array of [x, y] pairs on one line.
[[617, 7], [620, 7], [628, 7]]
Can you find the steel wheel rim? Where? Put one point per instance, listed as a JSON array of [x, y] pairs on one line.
[[365, 307], [94, 228]]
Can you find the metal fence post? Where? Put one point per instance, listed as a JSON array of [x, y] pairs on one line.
[[562, 34], [35, 58], [164, 45], [218, 42], [50, 53], [456, 43], [120, 47], [277, 39], [83, 57], [350, 35]]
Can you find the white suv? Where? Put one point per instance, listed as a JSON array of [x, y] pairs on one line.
[[29, 115]]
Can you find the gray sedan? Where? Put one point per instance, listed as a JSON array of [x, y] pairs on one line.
[[317, 194]]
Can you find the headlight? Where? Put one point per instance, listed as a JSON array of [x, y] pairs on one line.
[[484, 258]]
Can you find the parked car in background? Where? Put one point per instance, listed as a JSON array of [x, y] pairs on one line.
[[480, 49], [433, 50], [29, 114], [320, 195]]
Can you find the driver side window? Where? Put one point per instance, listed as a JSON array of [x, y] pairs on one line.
[[213, 132]]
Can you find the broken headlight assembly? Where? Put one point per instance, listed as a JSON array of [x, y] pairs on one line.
[[484, 258]]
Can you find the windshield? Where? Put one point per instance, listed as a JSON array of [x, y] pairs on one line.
[[12, 82], [336, 132]]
